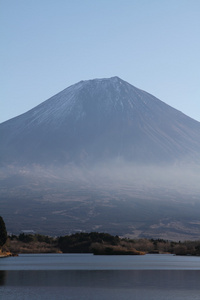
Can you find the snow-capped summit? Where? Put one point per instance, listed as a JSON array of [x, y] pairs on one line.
[[97, 120]]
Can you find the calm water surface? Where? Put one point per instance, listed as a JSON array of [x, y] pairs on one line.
[[85, 276]]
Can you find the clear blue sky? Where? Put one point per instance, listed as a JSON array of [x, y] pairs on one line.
[[47, 45]]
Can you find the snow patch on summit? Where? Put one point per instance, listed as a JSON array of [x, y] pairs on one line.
[[75, 101], [57, 107]]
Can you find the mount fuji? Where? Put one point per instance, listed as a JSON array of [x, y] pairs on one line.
[[101, 155], [98, 120]]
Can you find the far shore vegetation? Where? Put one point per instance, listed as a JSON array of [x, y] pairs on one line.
[[96, 243], [93, 242]]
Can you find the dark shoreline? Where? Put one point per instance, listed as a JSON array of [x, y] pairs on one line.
[[96, 243]]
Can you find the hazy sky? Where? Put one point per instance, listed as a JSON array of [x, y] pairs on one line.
[[47, 45]]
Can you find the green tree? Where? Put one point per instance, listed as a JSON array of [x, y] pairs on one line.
[[3, 232]]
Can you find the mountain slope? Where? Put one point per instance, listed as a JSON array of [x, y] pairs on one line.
[[101, 155], [98, 120]]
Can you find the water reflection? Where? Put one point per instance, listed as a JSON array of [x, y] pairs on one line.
[[2, 277], [127, 279]]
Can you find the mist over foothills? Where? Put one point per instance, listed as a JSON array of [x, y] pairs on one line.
[[104, 156], [116, 174], [117, 197]]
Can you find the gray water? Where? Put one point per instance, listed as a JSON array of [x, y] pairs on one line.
[[85, 276]]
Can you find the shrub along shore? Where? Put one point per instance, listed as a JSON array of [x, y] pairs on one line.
[[96, 243]]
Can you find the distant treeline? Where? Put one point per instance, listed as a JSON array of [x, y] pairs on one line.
[[98, 243]]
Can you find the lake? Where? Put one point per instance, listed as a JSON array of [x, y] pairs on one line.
[[86, 276]]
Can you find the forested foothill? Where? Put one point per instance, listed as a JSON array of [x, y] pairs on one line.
[[3, 232], [3, 237], [99, 244]]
